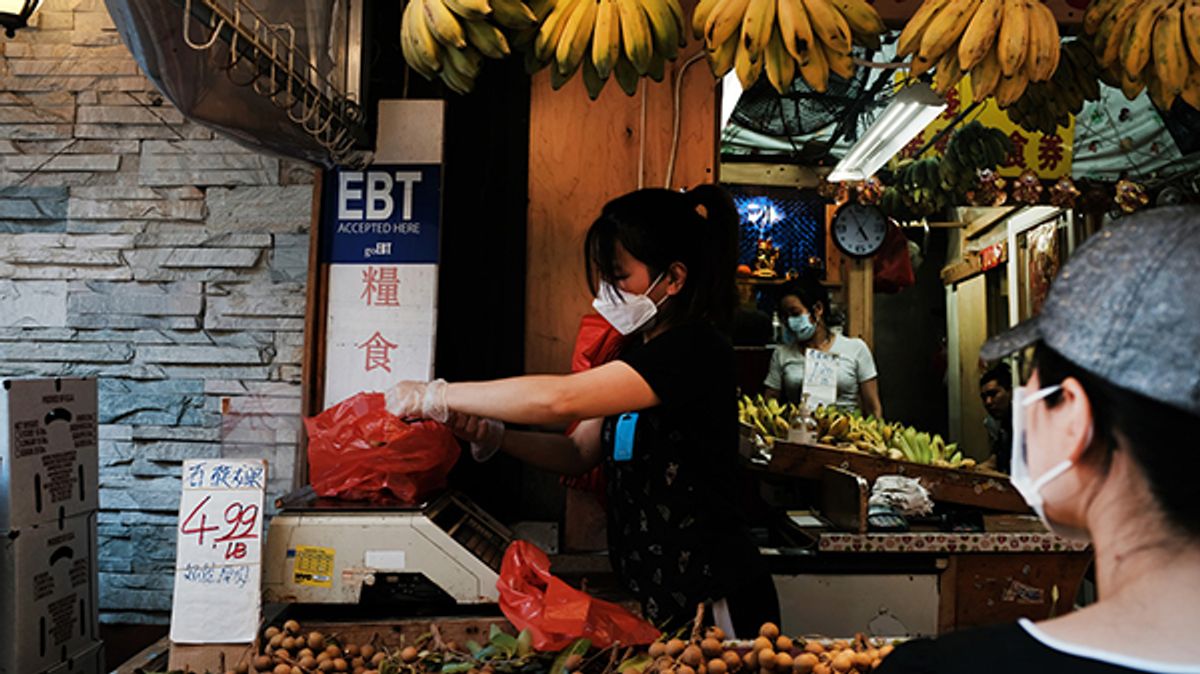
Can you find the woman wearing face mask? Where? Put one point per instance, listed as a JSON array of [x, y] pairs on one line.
[[1105, 448], [662, 418], [804, 307]]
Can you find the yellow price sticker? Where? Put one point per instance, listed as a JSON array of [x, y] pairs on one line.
[[313, 566]]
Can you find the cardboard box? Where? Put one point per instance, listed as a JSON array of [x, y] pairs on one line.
[[49, 450], [48, 594], [90, 661]]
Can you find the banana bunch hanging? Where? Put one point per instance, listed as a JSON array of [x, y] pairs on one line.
[[782, 37], [1003, 44], [603, 38], [1151, 45], [450, 38], [1045, 106]]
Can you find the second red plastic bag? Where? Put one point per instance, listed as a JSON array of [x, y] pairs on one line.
[[557, 614]]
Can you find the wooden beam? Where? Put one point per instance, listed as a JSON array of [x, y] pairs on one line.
[[986, 219], [860, 297], [783, 175], [971, 265]]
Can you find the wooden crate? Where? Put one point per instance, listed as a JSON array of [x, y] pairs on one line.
[[979, 488]]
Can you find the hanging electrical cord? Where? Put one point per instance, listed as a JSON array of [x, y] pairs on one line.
[[677, 118]]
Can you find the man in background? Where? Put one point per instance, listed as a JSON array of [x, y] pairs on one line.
[[995, 390]]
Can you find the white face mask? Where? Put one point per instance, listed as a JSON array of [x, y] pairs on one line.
[[1030, 489], [624, 311]]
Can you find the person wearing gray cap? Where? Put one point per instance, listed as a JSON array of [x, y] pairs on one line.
[[1106, 447]]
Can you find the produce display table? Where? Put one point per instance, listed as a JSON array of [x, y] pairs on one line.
[[978, 579], [978, 487]]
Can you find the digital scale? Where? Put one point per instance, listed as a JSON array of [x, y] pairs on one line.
[[445, 553]]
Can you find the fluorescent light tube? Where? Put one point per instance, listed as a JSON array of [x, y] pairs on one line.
[[913, 108]]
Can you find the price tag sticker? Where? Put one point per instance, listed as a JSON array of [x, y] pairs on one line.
[[218, 560]]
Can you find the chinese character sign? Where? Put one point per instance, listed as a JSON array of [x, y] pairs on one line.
[[218, 560], [1049, 156], [380, 238]]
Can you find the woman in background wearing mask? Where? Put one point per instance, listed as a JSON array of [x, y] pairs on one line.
[[804, 307], [1105, 449], [662, 418]]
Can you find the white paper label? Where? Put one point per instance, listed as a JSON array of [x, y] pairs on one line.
[[218, 561], [820, 377], [385, 560]]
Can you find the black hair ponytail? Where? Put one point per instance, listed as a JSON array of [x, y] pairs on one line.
[[721, 219]]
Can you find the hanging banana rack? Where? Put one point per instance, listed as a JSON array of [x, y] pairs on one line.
[[264, 56]]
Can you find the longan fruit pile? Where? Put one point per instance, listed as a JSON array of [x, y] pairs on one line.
[[290, 651], [769, 653]]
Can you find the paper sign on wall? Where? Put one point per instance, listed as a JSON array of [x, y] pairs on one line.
[[820, 377], [218, 561]]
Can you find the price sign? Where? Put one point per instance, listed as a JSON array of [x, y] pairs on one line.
[[820, 377], [218, 561]]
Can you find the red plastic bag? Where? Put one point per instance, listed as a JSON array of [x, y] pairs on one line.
[[893, 268], [596, 343], [357, 450], [557, 614]]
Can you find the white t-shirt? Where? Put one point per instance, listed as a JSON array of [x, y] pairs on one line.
[[855, 366]]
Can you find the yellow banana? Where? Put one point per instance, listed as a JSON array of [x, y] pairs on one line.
[[815, 70], [1111, 35], [1170, 54], [861, 16], [420, 50], [795, 31], [841, 65], [914, 29], [681, 22], [576, 35], [606, 38], [592, 80], [627, 76], [700, 16], [1042, 58], [948, 72], [725, 20], [462, 67], [1014, 38], [443, 24], [781, 68], [1158, 94], [829, 25], [945, 28], [756, 27], [1095, 13], [1010, 88], [980, 35], [471, 10], [1135, 50], [1191, 89], [1191, 27], [663, 29], [721, 58], [1131, 86], [513, 14], [635, 34], [746, 67], [551, 30], [487, 39]]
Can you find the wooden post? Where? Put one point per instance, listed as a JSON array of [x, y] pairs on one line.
[[860, 298]]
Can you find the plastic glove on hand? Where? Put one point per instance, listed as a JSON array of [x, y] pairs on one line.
[[485, 435], [418, 399]]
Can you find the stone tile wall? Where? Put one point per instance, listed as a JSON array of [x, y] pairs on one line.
[[144, 250]]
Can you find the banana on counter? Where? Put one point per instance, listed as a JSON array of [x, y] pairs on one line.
[[772, 421]]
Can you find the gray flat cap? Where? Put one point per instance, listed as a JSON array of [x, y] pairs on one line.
[[1126, 308]]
